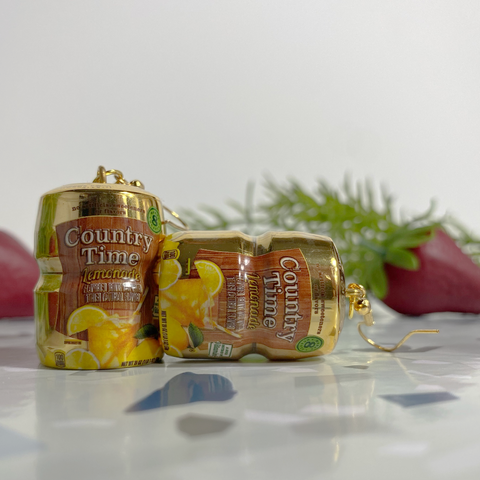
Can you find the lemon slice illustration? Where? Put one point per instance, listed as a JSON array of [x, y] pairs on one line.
[[177, 336], [84, 317], [211, 276], [148, 349], [174, 352], [169, 274], [81, 359]]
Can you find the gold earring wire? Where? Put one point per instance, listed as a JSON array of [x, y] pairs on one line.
[[102, 178], [359, 303]]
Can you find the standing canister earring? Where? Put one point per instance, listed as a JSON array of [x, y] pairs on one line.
[[96, 302]]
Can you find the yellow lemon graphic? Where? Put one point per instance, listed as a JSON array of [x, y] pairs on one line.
[[85, 317], [187, 302], [146, 350], [211, 275], [175, 352], [170, 272], [81, 359], [177, 336]]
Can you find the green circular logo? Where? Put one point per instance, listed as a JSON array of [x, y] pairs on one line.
[[154, 222], [309, 344]]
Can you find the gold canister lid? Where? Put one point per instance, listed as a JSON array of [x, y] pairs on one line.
[[100, 183]]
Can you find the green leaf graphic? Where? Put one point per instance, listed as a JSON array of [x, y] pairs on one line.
[[196, 335], [147, 331]]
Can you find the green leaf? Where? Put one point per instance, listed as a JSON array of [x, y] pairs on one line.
[[403, 238], [196, 335], [147, 331], [402, 258], [376, 277], [374, 247]]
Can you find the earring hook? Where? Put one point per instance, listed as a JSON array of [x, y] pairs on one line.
[[181, 227], [102, 174], [358, 303], [101, 177]]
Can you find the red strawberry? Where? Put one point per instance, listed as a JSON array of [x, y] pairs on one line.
[[447, 280], [19, 275]]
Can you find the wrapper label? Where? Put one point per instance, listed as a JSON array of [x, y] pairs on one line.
[[222, 301], [107, 303]]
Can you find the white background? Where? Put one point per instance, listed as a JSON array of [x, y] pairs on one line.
[[196, 97]]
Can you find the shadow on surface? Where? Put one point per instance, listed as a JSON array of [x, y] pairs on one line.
[[418, 399], [187, 388], [195, 425]]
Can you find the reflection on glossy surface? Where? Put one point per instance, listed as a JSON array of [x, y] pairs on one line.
[[13, 444], [283, 420], [415, 399], [188, 388], [82, 412], [332, 427]]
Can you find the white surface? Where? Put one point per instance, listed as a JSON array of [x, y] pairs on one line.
[[196, 97], [328, 418]]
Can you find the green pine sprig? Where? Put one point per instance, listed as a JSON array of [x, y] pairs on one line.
[[366, 228]]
